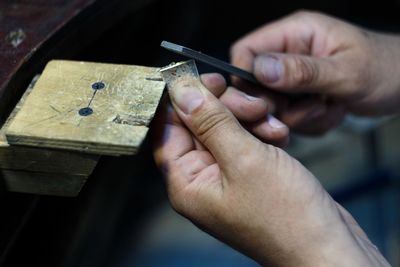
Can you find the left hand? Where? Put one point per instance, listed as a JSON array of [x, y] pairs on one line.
[[249, 194], [252, 112]]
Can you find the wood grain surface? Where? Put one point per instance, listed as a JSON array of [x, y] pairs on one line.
[[122, 110], [39, 170]]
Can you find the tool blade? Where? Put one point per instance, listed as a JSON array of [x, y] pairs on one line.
[[217, 63]]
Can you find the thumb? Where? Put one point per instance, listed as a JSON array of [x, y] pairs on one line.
[[210, 121], [293, 72]]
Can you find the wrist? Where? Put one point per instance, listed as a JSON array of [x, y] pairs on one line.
[[333, 244]]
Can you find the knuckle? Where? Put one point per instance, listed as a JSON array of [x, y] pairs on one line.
[[211, 123], [234, 48], [304, 72], [302, 13], [308, 16]]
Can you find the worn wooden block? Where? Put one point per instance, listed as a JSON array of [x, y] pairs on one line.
[[50, 116], [88, 107], [38, 159], [41, 170], [42, 183], [46, 160]]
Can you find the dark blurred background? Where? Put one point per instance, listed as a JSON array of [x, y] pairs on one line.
[[122, 217]]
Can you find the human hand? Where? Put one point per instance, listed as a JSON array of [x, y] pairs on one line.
[[351, 68], [252, 112], [249, 194]]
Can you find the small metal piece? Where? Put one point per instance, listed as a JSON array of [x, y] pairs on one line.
[[174, 71], [85, 111], [219, 64], [98, 86]]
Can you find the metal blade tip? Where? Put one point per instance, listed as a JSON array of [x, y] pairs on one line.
[[171, 46]]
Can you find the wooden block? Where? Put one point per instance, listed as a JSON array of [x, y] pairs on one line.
[[53, 115], [38, 159], [46, 160], [41, 170], [41, 183]]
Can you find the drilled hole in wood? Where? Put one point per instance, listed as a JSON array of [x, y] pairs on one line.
[[85, 111], [98, 86]]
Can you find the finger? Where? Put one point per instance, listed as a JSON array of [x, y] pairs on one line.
[[298, 73], [270, 130], [253, 113], [171, 139], [274, 101], [269, 38], [198, 145], [211, 122], [214, 82], [303, 111], [192, 163], [243, 106], [187, 178], [318, 126], [316, 120], [289, 34], [262, 40], [173, 144]]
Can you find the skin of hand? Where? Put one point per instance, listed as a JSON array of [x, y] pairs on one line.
[[247, 193], [343, 67]]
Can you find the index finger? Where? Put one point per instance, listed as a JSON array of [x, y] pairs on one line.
[[290, 34], [261, 40]]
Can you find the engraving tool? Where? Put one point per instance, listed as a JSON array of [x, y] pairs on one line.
[[217, 63]]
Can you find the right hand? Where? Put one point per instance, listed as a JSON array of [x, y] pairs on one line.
[[355, 69]]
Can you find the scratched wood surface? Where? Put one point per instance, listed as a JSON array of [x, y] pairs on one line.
[[121, 111], [39, 170]]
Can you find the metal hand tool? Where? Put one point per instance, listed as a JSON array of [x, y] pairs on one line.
[[219, 64]]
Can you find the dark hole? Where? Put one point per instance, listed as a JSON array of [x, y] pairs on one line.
[[98, 86], [85, 111]]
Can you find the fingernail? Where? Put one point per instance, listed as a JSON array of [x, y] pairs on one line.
[[187, 98], [274, 122], [271, 68], [249, 97]]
